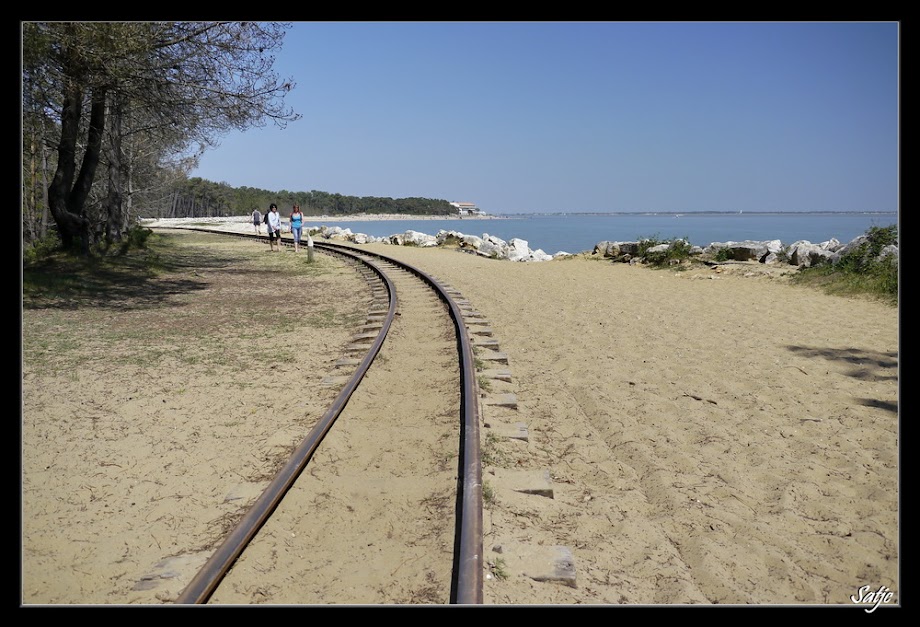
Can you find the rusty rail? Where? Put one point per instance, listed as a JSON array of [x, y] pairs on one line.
[[202, 586], [468, 560]]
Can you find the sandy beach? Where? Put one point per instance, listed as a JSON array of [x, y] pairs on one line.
[[711, 437]]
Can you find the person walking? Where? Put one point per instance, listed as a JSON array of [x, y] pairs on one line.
[[274, 227], [257, 221], [296, 225]]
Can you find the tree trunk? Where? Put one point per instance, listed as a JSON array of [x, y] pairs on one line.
[[28, 193], [43, 228], [66, 196], [114, 226]]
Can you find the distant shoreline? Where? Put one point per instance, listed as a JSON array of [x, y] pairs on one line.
[[697, 213]]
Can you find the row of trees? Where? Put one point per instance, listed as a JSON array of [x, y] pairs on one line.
[[196, 197], [115, 115]]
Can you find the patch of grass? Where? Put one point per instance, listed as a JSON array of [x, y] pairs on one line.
[[880, 282], [187, 359], [51, 346], [485, 384], [488, 494], [41, 249], [860, 271], [134, 238], [284, 356], [500, 569], [60, 279], [143, 306], [490, 453], [325, 318]]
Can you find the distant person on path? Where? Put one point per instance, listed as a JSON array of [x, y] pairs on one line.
[[296, 226], [257, 221], [274, 227]]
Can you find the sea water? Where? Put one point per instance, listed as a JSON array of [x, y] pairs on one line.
[[553, 233]]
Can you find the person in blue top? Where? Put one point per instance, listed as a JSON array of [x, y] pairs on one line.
[[296, 225]]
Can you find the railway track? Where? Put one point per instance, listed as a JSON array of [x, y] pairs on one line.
[[382, 501]]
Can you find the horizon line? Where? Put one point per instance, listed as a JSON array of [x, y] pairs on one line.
[[691, 211]]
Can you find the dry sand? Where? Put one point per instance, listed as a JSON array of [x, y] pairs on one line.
[[710, 437]]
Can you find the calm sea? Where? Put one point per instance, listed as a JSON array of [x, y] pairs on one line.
[[578, 232]]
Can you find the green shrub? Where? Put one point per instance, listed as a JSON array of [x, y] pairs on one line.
[[647, 242], [41, 249], [879, 237], [860, 271], [134, 238], [678, 250], [865, 256], [884, 274], [500, 569]]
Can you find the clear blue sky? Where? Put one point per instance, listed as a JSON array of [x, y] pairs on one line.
[[523, 117]]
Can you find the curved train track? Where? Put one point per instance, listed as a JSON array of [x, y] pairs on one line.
[[410, 413]]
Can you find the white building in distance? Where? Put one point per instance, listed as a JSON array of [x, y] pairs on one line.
[[466, 208]]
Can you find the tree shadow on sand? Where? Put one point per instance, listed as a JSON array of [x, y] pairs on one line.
[[142, 279], [864, 365]]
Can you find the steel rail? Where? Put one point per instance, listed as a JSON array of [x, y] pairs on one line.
[[468, 559], [202, 586]]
